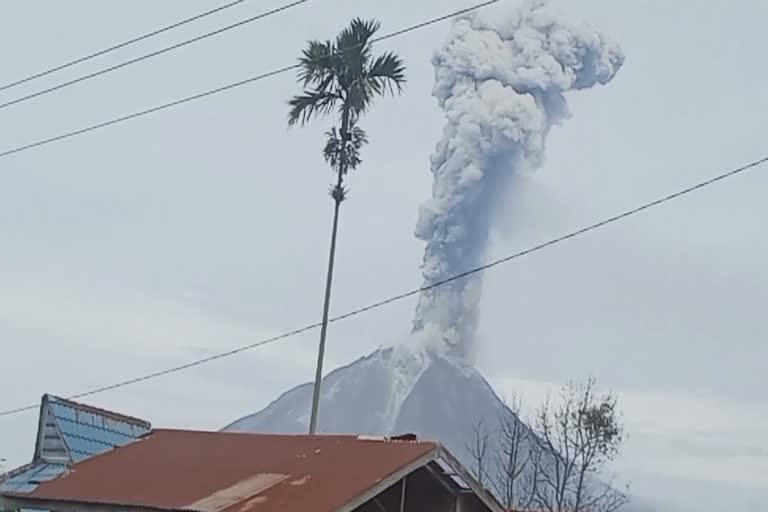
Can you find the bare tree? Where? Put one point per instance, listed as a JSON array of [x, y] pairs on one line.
[[517, 465], [502, 456], [575, 441], [478, 450], [559, 464]]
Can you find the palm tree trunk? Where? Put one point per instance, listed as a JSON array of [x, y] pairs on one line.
[[326, 307], [338, 197]]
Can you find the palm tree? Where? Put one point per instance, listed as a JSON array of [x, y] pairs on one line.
[[345, 77]]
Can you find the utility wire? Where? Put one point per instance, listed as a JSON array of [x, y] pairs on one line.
[[153, 54], [230, 86], [417, 291], [120, 45]]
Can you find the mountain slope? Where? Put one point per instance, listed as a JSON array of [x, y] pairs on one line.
[[386, 394], [394, 392]]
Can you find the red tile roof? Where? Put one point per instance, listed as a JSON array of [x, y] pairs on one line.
[[212, 472]]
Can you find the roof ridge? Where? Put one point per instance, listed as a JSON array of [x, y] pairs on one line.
[[405, 439], [101, 412], [262, 434]]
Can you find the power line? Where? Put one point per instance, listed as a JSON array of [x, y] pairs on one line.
[[228, 87], [153, 54], [417, 291], [120, 45]]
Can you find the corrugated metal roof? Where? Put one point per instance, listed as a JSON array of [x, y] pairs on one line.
[[216, 471]]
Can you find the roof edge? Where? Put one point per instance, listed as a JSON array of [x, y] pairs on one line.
[[486, 497], [41, 428], [16, 471], [17, 501], [390, 480], [47, 398], [317, 437]]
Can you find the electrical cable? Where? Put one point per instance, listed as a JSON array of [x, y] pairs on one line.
[[152, 54], [120, 45], [227, 87], [396, 298]]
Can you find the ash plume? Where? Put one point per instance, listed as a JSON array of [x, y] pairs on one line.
[[500, 78]]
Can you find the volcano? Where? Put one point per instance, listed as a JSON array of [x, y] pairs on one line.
[[501, 79], [389, 393], [393, 392]]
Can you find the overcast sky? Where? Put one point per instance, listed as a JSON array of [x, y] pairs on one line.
[[205, 227]]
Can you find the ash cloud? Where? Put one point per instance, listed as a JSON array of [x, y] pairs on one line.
[[501, 79]]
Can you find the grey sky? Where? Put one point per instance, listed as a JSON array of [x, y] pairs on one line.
[[203, 228]]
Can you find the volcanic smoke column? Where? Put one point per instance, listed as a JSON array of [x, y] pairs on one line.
[[500, 78]]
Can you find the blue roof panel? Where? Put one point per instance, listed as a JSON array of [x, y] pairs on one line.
[[87, 433], [120, 427], [49, 472], [107, 437], [26, 481], [83, 448], [60, 411], [23, 488]]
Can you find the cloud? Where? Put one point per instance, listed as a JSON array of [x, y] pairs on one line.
[[77, 336]]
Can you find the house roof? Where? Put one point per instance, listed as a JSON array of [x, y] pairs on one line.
[[70, 432], [216, 472], [27, 478]]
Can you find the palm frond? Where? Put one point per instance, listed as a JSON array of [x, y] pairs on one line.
[[344, 153], [332, 148], [354, 49], [387, 74], [357, 36], [317, 62], [358, 139], [344, 74], [310, 103]]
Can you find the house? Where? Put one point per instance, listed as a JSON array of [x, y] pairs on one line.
[[161, 470], [69, 432]]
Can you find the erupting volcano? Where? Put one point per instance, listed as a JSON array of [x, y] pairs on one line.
[[501, 80]]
